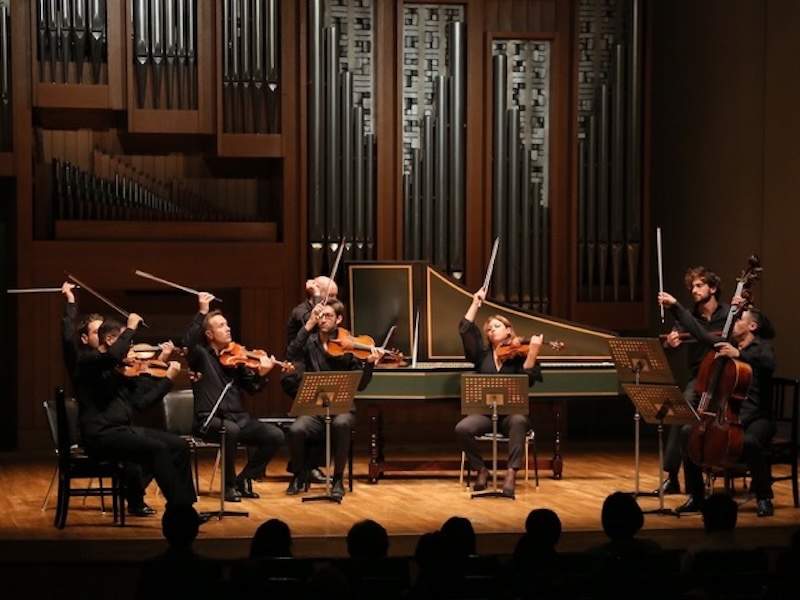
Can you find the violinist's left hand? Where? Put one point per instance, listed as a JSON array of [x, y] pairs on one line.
[[375, 355], [265, 364], [535, 344], [167, 349], [728, 350]]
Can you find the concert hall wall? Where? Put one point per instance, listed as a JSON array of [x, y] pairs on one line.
[[726, 163], [252, 243]]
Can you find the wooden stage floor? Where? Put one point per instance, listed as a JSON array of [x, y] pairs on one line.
[[407, 506]]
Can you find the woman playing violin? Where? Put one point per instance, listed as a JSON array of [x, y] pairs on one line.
[[499, 332]]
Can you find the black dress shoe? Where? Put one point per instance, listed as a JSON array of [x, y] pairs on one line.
[[693, 504], [141, 510], [480, 482], [317, 476], [296, 485], [338, 487], [203, 517], [669, 486], [232, 495], [764, 508], [245, 488]]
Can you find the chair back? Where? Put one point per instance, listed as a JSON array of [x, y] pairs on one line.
[[70, 418], [785, 402], [63, 431], [179, 412]]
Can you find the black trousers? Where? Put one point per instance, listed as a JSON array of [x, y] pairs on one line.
[[672, 451], [757, 436], [514, 426], [163, 454], [262, 440], [312, 429]]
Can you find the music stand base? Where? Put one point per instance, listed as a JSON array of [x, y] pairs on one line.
[[218, 514], [490, 494], [662, 511], [643, 494], [328, 497]]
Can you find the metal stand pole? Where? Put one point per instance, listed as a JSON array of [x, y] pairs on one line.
[[493, 493], [329, 496]]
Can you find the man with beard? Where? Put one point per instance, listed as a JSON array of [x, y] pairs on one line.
[[709, 314]]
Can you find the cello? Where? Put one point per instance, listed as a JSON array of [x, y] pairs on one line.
[[717, 438]]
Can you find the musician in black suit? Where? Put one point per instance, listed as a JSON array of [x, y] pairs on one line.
[[498, 331], [107, 401], [750, 343], [208, 334]]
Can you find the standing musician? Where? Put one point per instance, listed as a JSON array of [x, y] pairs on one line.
[[316, 290], [710, 314], [498, 330], [207, 335], [750, 344], [106, 401], [308, 351]]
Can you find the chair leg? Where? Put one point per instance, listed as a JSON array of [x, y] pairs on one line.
[[121, 488], [461, 472], [102, 497], [63, 501], [350, 463], [196, 472], [795, 494], [86, 495], [535, 463], [526, 459], [50, 488], [213, 473]]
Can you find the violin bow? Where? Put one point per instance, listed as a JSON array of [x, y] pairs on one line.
[[488, 278], [660, 269], [333, 270], [41, 290], [99, 296], [388, 337], [177, 286], [415, 344]]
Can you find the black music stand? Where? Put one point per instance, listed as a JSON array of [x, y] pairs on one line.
[[222, 471], [660, 404], [640, 360], [322, 394], [503, 395]]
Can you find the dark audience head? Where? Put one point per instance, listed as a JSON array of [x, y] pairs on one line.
[[543, 527], [367, 539], [719, 513], [794, 542], [459, 533], [621, 516], [272, 539], [180, 525]]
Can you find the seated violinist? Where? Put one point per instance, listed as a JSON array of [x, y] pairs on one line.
[[107, 399], [750, 344], [208, 336], [309, 351], [499, 332]]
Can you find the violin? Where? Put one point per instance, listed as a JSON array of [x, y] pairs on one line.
[[141, 361], [235, 354], [361, 347], [518, 346], [717, 439]]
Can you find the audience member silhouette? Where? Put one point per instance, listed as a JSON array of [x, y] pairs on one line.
[[367, 540], [622, 518], [459, 534], [272, 539], [179, 571], [534, 567], [720, 512]]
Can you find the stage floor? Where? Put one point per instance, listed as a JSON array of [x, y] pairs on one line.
[[406, 505]]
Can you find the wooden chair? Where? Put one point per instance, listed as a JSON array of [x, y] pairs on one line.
[[73, 463]]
